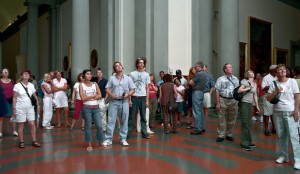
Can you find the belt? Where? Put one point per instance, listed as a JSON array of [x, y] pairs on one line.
[[138, 96], [227, 97], [91, 106], [118, 99]]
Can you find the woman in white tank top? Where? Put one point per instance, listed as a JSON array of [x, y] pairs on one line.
[[47, 101], [90, 95]]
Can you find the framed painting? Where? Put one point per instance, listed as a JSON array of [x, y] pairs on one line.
[[243, 59], [260, 45], [281, 56]]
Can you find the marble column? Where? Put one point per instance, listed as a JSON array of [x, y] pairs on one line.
[[107, 54], [160, 37], [80, 38], [124, 40], [202, 31], [228, 17], [53, 37], [32, 38]]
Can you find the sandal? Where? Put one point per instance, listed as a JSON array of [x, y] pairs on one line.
[[21, 145], [89, 148], [67, 125], [82, 128], [36, 144]]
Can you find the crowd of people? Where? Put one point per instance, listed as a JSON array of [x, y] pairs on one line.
[[118, 100]]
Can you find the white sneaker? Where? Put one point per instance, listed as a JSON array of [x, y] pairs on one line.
[[47, 128], [281, 160], [1, 135], [124, 143], [261, 119], [15, 133], [106, 143], [150, 132], [297, 165], [270, 120], [254, 118]]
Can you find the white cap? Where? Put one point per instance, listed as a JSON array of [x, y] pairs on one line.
[[272, 67]]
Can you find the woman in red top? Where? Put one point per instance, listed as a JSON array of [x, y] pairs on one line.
[[7, 85], [152, 101]]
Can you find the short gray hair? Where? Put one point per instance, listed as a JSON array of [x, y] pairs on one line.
[[199, 63]]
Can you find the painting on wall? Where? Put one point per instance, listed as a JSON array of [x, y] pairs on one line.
[[281, 56], [260, 45], [243, 47]]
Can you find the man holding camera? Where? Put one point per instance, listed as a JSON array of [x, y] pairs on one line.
[[119, 88]]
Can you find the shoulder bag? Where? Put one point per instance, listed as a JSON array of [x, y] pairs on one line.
[[32, 99]]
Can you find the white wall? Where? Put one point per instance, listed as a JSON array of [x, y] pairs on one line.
[[180, 29], [285, 20]]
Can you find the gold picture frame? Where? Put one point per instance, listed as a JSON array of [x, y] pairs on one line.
[[281, 56]]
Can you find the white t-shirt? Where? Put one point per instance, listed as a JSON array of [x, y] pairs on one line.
[[23, 101], [60, 84], [141, 80], [76, 88], [183, 81], [90, 91], [267, 80], [47, 85], [286, 99], [179, 97]]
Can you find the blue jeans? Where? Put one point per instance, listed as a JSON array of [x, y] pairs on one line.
[[117, 108], [198, 110], [92, 114]]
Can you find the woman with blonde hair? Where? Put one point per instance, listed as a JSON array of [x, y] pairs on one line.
[[47, 102], [189, 100], [249, 89]]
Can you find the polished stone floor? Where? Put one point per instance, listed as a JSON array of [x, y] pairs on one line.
[[181, 153]]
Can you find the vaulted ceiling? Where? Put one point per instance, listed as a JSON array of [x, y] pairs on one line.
[[10, 9]]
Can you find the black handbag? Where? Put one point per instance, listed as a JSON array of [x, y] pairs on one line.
[[32, 99], [275, 99]]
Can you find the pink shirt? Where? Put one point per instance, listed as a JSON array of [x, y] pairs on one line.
[[151, 88], [7, 88]]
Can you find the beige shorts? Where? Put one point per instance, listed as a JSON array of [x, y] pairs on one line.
[[207, 100], [268, 107], [25, 114]]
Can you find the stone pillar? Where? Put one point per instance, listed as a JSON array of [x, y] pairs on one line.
[[160, 37], [80, 38], [124, 42], [202, 31], [32, 38], [106, 53], [180, 35], [228, 17], [54, 37]]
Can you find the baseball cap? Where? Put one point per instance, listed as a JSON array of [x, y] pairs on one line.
[[272, 67], [26, 70], [178, 71]]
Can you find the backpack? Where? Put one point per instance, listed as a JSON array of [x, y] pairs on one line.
[[236, 95]]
